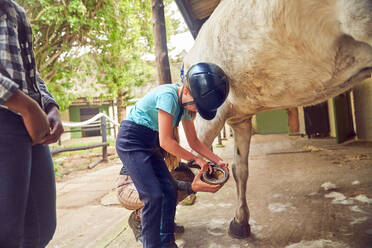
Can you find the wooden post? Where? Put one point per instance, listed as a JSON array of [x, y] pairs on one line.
[[121, 109], [293, 122], [219, 139], [160, 39], [104, 138], [113, 115], [224, 133]]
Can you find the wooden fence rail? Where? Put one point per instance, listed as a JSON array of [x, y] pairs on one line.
[[104, 144], [78, 148]]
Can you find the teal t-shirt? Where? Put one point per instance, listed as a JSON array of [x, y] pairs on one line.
[[164, 97]]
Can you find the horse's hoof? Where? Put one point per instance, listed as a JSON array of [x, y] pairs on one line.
[[239, 231], [218, 176]]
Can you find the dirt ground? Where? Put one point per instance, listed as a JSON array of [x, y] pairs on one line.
[[307, 193], [301, 193]]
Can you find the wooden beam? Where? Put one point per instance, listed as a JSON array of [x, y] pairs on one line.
[[203, 9], [160, 39], [193, 24]]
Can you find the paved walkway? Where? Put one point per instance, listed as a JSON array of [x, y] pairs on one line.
[[301, 193], [87, 210]]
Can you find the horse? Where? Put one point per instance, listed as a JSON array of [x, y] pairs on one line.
[[279, 54]]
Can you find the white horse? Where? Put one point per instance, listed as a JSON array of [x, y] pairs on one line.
[[279, 54]]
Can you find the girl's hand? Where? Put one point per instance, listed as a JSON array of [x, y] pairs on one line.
[[199, 186], [223, 164], [204, 166]]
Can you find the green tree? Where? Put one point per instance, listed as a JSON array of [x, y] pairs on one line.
[[120, 64], [115, 34]]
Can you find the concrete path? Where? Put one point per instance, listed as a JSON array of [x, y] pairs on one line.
[[301, 193], [88, 211]]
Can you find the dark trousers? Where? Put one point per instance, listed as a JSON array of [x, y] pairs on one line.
[[27, 187], [138, 149]]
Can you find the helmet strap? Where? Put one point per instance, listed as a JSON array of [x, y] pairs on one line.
[[188, 103], [180, 99], [181, 107], [180, 96]]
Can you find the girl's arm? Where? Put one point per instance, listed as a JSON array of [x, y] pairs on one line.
[[197, 145], [166, 139], [168, 143]]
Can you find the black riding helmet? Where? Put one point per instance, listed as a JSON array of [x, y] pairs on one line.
[[209, 88]]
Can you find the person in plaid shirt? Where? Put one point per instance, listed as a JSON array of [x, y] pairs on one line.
[[29, 121]]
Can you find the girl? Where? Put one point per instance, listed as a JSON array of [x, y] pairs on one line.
[[149, 128]]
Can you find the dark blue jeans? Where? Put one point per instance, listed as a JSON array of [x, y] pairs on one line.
[[27, 187], [139, 150]]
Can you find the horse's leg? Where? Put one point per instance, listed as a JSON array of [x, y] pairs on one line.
[[239, 226], [207, 131]]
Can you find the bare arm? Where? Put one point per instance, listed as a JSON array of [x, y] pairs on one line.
[[168, 143], [166, 139], [34, 117], [196, 144]]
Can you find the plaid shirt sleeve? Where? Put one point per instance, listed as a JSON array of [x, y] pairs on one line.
[[46, 97], [13, 69], [7, 86]]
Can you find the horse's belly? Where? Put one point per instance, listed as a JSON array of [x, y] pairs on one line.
[[278, 93], [299, 80]]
